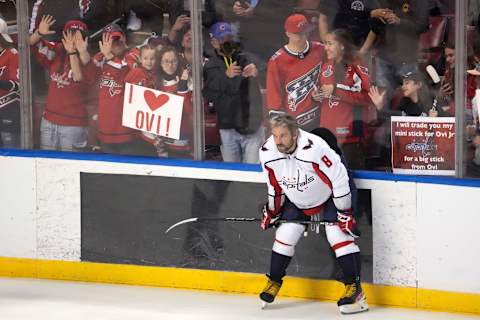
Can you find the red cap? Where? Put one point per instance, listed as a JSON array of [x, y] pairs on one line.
[[296, 23], [114, 30], [75, 24]]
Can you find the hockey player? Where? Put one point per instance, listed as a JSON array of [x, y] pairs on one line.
[[292, 75], [305, 178], [9, 99]]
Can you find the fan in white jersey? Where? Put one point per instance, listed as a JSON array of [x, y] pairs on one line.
[[306, 177]]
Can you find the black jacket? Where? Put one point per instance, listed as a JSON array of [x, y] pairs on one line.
[[237, 101]]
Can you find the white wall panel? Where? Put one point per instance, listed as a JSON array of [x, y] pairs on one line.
[[394, 232], [17, 213], [448, 242]]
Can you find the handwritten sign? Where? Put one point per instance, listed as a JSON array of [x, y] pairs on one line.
[[152, 111], [423, 145]]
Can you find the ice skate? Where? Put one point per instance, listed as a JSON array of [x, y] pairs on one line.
[[353, 300], [270, 292]]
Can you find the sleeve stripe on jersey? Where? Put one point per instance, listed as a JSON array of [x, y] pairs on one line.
[[322, 175], [33, 19], [278, 190], [345, 195]]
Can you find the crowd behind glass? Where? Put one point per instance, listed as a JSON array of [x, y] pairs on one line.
[[377, 50]]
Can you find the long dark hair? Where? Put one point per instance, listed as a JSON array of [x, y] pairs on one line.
[[350, 53], [180, 66]]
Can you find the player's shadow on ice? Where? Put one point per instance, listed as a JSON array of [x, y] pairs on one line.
[[288, 304]]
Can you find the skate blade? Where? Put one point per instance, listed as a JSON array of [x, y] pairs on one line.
[[360, 306], [264, 305]]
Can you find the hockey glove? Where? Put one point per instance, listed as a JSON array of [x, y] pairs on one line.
[[268, 218], [347, 223]]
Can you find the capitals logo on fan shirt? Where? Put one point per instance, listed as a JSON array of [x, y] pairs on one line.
[[114, 88], [298, 89]]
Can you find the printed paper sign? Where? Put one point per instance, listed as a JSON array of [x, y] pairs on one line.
[[152, 111], [423, 145]]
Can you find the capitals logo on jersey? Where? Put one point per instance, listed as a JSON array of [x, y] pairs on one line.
[[114, 88], [298, 89]]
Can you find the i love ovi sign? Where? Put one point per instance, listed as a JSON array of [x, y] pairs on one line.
[[152, 111]]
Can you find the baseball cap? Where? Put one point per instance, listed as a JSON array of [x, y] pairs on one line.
[[221, 30], [297, 23], [75, 25], [4, 31], [413, 75], [475, 71], [114, 30]]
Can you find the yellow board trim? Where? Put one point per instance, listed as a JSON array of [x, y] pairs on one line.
[[237, 282]]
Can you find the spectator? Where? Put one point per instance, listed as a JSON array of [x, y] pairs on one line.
[[351, 15], [292, 74], [232, 87], [398, 32], [145, 76], [343, 95], [415, 101], [173, 78], [113, 68], [446, 93], [65, 120], [9, 89]]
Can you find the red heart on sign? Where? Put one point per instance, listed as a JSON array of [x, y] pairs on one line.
[[153, 101]]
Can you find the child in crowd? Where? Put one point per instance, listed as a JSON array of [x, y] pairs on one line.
[[144, 75]]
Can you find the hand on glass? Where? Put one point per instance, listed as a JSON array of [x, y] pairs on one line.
[[377, 97], [106, 45], [80, 43], [250, 71], [445, 90], [45, 24], [68, 41]]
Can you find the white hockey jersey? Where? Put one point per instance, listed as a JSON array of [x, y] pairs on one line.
[[308, 177]]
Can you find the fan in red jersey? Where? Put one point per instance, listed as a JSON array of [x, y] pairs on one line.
[[113, 67], [343, 94], [65, 120], [9, 98], [293, 73]]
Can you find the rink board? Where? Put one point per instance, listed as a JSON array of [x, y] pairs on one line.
[[422, 230]]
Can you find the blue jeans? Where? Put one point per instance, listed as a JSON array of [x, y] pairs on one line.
[[238, 147], [65, 138]]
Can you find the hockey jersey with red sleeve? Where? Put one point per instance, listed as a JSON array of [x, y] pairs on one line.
[[349, 102], [308, 177], [291, 80], [66, 98], [111, 84], [9, 70]]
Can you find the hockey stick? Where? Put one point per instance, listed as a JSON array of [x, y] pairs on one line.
[[323, 223]]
